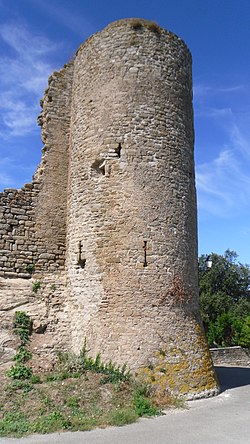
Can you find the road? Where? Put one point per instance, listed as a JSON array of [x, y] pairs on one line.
[[224, 419]]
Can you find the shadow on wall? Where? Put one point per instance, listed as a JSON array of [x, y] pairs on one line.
[[232, 377]]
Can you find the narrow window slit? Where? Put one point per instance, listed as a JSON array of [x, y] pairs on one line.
[[80, 260], [145, 264], [118, 150]]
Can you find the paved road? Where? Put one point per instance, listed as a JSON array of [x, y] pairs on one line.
[[224, 419]]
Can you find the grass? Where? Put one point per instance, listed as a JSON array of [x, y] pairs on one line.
[[80, 394], [138, 24], [56, 402], [81, 403]]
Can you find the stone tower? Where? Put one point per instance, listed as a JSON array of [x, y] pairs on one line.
[[115, 206], [131, 232]]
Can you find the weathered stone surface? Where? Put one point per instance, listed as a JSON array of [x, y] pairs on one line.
[[45, 307], [114, 196]]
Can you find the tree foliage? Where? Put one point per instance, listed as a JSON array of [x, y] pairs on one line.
[[225, 299]]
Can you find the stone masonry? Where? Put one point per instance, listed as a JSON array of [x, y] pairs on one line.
[[108, 225]]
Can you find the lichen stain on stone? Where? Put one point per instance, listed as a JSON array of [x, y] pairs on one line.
[[173, 370]]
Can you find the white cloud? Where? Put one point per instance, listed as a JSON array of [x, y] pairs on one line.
[[26, 45], [241, 141], [18, 116], [23, 76], [201, 90], [206, 111], [223, 184]]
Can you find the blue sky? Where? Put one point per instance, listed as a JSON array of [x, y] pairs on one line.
[[39, 36]]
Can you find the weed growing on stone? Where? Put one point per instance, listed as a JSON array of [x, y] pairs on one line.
[[154, 27], [30, 268], [21, 328], [36, 285], [136, 24], [22, 355], [72, 364]]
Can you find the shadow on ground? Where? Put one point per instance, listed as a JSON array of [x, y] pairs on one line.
[[232, 377]]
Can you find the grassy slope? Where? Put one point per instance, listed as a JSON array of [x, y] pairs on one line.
[[62, 402]]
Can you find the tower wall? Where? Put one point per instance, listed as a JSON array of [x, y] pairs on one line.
[[51, 177], [131, 230]]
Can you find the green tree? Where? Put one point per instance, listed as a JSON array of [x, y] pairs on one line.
[[224, 292]]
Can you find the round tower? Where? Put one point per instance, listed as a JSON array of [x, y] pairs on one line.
[[132, 233]]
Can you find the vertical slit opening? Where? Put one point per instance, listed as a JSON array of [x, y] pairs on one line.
[[80, 260], [145, 264], [118, 150]]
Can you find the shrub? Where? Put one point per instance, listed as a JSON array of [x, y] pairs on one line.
[[57, 376], [36, 285], [22, 326], [50, 423], [143, 406], [19, 371], [20, 385], [35, 379], [229, 330], [244, 335], [23, 355]]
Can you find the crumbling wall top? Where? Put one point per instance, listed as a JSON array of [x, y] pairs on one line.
[[139, 25]]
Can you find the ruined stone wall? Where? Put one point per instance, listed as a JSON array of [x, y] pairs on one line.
[[17, 235], [33, 219], [132, 248], [233, 356]]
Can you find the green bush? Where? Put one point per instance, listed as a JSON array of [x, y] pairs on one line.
[[244, 334], [60, 376], [20, 371], [25, 386], [50, 423], [143, 406], [228, 330], [23, 355], [22, 326]]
